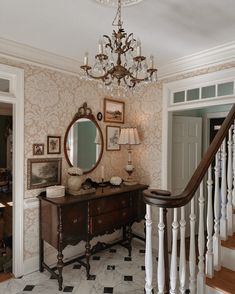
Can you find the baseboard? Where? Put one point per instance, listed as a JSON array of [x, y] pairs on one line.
[[228, 258], [210, 290], [31, 265]]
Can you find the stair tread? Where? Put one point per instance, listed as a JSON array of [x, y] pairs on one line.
[[230, 243], [223, 281]]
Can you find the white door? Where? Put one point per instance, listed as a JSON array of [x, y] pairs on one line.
[[186, 152]]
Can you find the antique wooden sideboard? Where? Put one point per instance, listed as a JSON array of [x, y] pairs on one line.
[[71, 219]]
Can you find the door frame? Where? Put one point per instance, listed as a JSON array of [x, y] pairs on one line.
[[168, 108], [16, 99]]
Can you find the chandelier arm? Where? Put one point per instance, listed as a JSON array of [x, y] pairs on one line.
[[137, 80], [98, 78], [128, 85], [128, 44], [109, 44]]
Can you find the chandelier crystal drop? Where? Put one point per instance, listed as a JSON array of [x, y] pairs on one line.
[[119, 59]]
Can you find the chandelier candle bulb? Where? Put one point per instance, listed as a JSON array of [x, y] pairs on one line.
[[152, 61], [102, 172], [138, 50], [86, 59], [100, 47]]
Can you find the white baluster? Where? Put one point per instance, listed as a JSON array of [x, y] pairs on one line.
[[234, 164], [192, 253], [216, 237], [209, 223], [201, 244], [161, 265], [182, 266], [223, 219], [230, 186], [148, 252], [173, 270]]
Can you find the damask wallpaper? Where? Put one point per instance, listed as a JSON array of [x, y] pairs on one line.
[[51, 100]]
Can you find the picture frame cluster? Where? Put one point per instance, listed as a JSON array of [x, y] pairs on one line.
[[114, 112], [53, 146], [44, 172]]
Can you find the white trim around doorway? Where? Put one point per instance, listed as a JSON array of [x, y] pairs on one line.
[[167, 112], [16, 98]]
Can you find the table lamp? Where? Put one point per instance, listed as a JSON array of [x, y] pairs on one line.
[[129, 136]]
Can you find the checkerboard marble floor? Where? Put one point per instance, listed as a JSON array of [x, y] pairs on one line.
[[111, 272]]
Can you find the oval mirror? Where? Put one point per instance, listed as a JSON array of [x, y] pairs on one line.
[[83, 142]]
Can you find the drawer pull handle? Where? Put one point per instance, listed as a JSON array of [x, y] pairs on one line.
[[75, 220], [99, 221]]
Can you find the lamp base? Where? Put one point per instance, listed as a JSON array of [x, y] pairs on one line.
[[129, 168]]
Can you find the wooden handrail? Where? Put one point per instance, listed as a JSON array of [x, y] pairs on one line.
[[163, 199]]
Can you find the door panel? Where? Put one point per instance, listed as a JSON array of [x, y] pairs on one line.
[[186, 153]]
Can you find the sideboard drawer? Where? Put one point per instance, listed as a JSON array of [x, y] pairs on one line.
[[74, 220], [108, 204], [109, 221]]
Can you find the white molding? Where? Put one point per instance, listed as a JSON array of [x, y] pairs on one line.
[[31, 55], [211, 57], [206, 58], [16, 77], [168, 110]]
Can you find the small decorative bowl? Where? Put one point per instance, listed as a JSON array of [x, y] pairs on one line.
[[116, 181]]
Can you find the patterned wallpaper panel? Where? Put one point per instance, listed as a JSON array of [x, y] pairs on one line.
[[51, 100]]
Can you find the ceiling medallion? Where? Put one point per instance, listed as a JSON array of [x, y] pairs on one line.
[[114, 2], [120, 60]]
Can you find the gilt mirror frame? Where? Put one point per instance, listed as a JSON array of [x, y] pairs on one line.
[[84, 112]]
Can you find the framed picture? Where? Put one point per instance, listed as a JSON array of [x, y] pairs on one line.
[[112, 136], [114, 111], [53, 144], [38, 149], [43, 172]]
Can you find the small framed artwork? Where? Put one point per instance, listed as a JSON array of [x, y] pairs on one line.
[[43, 172], [114, 111], [112, 136], [99, 116], [53, 144], [38, 149]]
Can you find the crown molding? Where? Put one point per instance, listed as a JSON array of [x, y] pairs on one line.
[[211, 57], [215, 56], [21, 52]]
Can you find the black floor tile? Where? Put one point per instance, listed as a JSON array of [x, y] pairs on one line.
[[68, 289], [128, 278], [92, 278], [127, 259], [111, 267], [141, 251], [112, 250], [77, 266], [28, 288], [95, 257], [108, 290], [143, 268], [52, 278]]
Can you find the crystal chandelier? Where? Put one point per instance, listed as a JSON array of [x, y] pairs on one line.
[[120, 60]]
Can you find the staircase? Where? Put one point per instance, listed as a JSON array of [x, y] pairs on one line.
[[208, 266]]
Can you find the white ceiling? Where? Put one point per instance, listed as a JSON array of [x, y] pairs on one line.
[[169, 29]]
